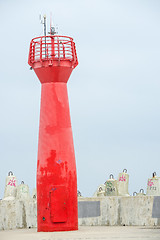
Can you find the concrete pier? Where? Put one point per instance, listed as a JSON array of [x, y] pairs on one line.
[[88, 233], [103, 211]]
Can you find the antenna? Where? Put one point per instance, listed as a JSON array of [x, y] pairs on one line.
[[50, 21], [44, 29], [43, 22], [44, 17], [52, 29]]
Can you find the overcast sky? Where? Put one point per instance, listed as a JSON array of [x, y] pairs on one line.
[[114, 92]]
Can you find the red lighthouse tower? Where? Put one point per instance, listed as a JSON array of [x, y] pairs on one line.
[[53, 58]]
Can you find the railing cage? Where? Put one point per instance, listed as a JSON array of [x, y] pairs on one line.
[[54, 48]]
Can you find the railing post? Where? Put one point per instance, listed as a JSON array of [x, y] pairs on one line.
[[52, 48], [41, 49], [73, 52], [33, 52], [63, 51], [30, 58], [58, 51], [45, 46], [47, 50]]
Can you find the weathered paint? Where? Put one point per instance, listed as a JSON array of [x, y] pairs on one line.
[[122, 183], [111, 187], [23, 191], [10, 187], [153, 186]]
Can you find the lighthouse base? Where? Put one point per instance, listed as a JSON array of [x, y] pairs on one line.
[[57, 229]]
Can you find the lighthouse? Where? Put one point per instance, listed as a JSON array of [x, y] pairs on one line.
[[53, 58]]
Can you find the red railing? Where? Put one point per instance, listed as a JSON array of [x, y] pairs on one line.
[[54, 48]]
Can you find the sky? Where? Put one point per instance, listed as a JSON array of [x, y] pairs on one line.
[[113, 92]]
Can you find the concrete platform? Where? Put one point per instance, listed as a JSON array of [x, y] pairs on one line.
[[98, 232]]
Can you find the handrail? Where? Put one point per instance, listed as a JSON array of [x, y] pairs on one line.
[[53, 36], [52, 48]]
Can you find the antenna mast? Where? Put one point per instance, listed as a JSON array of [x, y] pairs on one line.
[[52, 29], [50, 22], [44, 25]]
